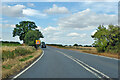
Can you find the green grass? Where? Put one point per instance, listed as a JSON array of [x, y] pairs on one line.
[[10, 44], [7, 66], [24, 59]]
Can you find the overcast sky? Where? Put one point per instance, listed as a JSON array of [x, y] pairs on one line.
[[60, 22]]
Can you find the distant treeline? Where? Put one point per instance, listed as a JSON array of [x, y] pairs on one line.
[[70, 45], [54, 44], [10, 43]]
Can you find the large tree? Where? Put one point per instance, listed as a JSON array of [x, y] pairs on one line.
[[32, 36], [22, 28], [107, 39]]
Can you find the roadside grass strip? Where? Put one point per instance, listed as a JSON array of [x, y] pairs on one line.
[[15, 60], [15, 77], [92, 70], [26, 58]]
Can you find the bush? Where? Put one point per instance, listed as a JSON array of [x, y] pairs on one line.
[[75, 45], [107, 39]]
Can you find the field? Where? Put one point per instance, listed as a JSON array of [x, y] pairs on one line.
[[7, 43], [91, 50], [22, 57]]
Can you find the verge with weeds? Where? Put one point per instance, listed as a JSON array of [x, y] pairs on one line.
[[17, 59], [91, 50]]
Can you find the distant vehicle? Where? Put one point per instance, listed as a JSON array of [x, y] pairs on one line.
[[43, 45]]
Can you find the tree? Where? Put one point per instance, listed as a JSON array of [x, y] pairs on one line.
[[22, 28], [75, 45], [32, 36], [107, 39], [80, 45], [113, 39], [100, 38]]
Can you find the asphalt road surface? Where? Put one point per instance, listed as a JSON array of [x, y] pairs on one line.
[[62, 63]]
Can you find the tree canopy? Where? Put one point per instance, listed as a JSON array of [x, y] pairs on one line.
[[75, 45], [32, 36], [107, 39], [22, 28]]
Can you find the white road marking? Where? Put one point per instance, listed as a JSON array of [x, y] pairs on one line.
[[87, 68], [28, 67], [94, 69], [102, 56]]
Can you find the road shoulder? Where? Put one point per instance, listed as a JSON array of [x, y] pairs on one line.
[[105, 55], [21, 64]]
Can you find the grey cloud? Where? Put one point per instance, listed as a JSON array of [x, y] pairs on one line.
[[13, 11]]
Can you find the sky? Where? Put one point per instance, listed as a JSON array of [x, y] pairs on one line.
[[60, 22]]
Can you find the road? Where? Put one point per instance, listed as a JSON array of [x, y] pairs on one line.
[[62, 63]]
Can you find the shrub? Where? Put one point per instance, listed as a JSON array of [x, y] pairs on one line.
[[107, 39]]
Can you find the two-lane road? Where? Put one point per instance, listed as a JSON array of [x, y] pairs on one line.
[[62, 63]]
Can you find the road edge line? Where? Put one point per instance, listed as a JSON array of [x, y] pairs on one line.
[[72, 58], [28, 66]]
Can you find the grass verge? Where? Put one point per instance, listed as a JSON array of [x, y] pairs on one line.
[[13, 65], [90, 50]]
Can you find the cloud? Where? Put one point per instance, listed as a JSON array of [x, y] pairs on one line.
[[6, 33], [3, 21], [86, 28], [32, 12], [56, 10], [7, 26], [85, 19], [13, 11], [60, 0], [20, 11], [76, 35], [30, 4], [73, 34], [60, 36], [50, 28], [38, 27], [93, 32], [108, 7]]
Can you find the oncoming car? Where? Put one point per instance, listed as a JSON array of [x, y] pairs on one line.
[[43, 45]]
